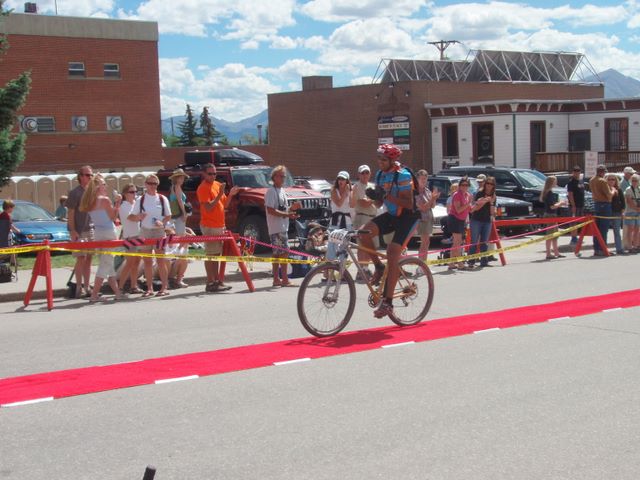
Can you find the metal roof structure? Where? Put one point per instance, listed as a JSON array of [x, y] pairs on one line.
[[492, 66]]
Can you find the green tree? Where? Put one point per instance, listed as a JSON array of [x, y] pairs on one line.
[[171, 140], [188, 133], [12, 97], [209, 132]]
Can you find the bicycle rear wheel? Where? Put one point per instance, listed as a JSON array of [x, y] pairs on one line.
[[325, 300], [414, 292]]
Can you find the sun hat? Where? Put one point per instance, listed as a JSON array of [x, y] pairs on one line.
[[629, 170], [178, 173], [343, 174], [364, 168], [601, 168], [481, 178]]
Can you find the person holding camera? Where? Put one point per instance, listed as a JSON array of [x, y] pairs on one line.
[[481, 219], [341, 202], [278, 215], [212, 202], [394, 189]]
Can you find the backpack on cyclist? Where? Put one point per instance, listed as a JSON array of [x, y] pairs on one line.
[[414, 183]]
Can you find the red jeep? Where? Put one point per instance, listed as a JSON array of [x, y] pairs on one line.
[[245, 214]]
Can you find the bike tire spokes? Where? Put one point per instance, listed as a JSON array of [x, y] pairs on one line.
[[413, 294]]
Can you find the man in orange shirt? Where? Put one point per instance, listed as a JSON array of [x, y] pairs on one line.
[[212, 201]]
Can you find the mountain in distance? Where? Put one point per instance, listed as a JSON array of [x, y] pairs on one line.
[[617, 85], [232, 130]]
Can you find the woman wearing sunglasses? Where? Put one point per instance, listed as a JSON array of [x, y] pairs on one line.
[[102, 213], [482, 213], [130, 229], [461, 202]]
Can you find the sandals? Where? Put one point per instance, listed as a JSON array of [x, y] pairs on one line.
[[135, 290], [162, 293], [147, 294], [289, 284]]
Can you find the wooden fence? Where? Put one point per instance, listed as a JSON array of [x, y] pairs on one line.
[[565, 161]]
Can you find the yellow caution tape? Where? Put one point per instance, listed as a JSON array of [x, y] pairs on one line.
[[25, 249], [206, 258], [498, 251]]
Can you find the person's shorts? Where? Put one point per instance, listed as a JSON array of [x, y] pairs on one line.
[[401, 226], [361, 219], [425, 227], [148, 233], [632, 219], [280, 240], [86, 236], [455, 225], [551, 215], [212, 248]]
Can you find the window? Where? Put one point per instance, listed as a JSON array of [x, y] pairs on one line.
[[76, 69], [450, 140], [616, 134], [111, 70]]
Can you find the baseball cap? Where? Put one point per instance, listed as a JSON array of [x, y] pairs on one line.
[[601, 168], [343, 174], [481, 178], [577, 168], [629, 170], [363, 168]]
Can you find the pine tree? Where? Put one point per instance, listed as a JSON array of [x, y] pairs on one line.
[[188, 132], [209, 132], [12, 97]]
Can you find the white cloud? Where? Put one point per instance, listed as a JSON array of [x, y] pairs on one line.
[[345, 10], [365, 42], [232, 91], [241, 19], [76, 8], [360, 81]]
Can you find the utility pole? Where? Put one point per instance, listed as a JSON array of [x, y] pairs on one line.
[[442, 45]]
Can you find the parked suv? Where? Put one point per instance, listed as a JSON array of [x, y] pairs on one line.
[[245, 213], [521, 183]]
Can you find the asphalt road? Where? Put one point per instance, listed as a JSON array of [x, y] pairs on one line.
[[556, 400]]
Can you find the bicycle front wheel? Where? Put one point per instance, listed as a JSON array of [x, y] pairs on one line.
[[414, 292], [326, 300]]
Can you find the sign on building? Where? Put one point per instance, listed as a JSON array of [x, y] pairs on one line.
[[590, 164], [394, 129]]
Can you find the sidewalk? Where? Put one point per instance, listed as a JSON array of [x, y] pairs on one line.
[[195, 275]]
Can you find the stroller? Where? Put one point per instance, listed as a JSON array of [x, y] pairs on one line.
[[447, 238], [312, 240]]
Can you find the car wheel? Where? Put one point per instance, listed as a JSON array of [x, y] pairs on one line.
[[255, 226]]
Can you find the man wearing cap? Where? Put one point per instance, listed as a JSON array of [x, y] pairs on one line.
[[575, 193], [341, 201], [626, 181], [480, 179], [602, 195], [364, 208]]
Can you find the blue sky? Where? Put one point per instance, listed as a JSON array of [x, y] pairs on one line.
[[229, 54]]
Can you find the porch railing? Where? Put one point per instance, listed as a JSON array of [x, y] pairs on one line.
[[564, 161]]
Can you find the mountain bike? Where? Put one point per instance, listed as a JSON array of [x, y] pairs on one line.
[[327, 295]]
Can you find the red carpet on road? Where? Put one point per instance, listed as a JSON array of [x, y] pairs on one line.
[[80, 381]]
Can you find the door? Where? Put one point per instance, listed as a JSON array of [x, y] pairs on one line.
[[538, 140], [483, 143]]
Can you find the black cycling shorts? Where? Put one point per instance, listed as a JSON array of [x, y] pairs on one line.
[[402, 226]]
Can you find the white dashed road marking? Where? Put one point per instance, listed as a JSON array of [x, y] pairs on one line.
[[177, 379], [288, 362]]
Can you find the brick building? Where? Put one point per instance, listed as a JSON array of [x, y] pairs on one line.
[[321, 130], [95, 93]]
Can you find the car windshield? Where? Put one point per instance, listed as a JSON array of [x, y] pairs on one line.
[[29, 212], [257, 178], [530, 178]]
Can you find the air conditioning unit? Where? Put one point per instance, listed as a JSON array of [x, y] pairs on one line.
[[37, 124], [30, 7], [79, 124], [29, 124], [114, 123]]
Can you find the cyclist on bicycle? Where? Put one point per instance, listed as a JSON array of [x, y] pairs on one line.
[[394, 189]]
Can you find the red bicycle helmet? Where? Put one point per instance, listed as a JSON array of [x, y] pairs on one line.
[[390, 151]]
